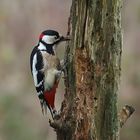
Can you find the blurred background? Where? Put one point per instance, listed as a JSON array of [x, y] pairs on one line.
[[21, 22]]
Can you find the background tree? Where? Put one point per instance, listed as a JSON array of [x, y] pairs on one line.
[[89, 110]]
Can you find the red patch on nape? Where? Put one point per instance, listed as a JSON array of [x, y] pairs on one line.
[[50, 96], [41, 36]]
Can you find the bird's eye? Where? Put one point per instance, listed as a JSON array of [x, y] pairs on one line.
[[55, 37]]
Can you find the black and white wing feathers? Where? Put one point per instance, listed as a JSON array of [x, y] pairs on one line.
[[36, 63]]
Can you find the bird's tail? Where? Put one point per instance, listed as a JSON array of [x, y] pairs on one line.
[[44, 106]]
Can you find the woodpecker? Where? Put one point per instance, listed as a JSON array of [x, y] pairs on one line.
[[46, 68]]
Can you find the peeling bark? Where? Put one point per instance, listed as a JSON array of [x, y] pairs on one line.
[[89, 110]]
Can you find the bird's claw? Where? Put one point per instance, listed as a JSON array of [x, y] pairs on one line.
[[56, 115]]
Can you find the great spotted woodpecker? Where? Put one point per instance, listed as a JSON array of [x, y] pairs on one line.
[[46, 68]]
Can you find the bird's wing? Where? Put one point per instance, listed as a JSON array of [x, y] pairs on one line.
[[38, 75]]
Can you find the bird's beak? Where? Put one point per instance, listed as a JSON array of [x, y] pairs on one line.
[[62, 38]]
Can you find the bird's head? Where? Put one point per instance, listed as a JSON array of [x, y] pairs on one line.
[[52, 37]]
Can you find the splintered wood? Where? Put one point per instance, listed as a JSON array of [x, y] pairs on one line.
[[84, 89]]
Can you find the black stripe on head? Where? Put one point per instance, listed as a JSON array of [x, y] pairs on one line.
[[51, 33]]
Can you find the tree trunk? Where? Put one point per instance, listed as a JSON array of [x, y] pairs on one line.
[[89, 110]]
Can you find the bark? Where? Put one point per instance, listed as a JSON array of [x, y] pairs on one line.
[[89, 110]]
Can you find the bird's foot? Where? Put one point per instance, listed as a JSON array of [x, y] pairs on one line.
[[56, 114]]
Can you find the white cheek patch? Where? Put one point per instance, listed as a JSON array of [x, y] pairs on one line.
[[48, 39]]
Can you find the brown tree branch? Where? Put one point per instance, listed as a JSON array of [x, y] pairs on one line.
[[125, 113]]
